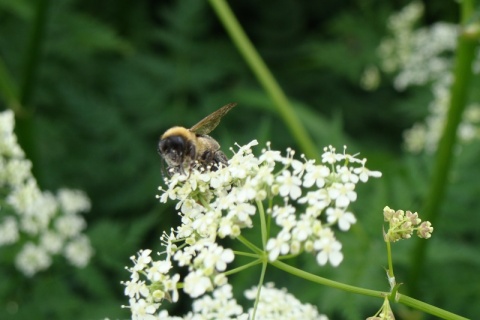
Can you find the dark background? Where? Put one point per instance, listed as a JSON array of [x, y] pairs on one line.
[[107, 78]]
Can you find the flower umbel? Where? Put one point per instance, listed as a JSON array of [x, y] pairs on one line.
[[403, 224], [423, 56], [300, 205], [37, 224]]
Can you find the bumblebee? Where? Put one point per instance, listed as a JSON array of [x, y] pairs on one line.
[[187, 148]]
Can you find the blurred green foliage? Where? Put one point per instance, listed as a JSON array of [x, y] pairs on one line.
[[100, 81]]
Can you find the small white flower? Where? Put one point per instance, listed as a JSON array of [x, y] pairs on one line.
[[158, 269], [347, 175], [270, 157], [16, 172], [278, 246], [344, 219], [73, 201], [79, 251], [221, 305], [142, 310], [52, 241], [316, 174], [32, 259], [283, 213], [213, 256], [70, 225], [196, 284], [329, 156], [364, 173], [329, 250], [8, 231], [136, 289], [143, 260], [171, 285], [279, 304], [302, 229], [289, 185], [343, 194], [8, 141]]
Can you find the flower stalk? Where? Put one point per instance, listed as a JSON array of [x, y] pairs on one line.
[[265, 77], [462, 74]]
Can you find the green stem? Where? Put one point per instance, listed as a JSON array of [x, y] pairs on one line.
[[24, 126], [419, 305], [289, 256], [390, 274], [33, 52], [245, 266], [403, 299], [8, 89], [265, 77], [250, 245], [462, 74], [245, 254], [326, 282], [259, 287], [263, 224]]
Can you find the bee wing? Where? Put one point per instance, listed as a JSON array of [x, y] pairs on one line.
[[210, 122]]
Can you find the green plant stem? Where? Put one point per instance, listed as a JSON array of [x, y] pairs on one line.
[[462, 74], [259, 287], [390, 264], [24, 126], [8, 89], [326, 282], [265, 77], [263, 224], [250, 245], [419, 305], [245, 254], [33, 52], [403, 299], [245, 266]]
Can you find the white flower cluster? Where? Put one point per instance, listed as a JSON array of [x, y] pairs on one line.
[[220, 203], [273, 304], [304, 202], [37, 224], [423, 56], [426, 135], [279, 304], [417, 55]]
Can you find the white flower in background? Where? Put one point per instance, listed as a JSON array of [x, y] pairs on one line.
[[51, 223], [8, 141], [8, 231], [307, 202], [32, 259], [51, 241], [73, 201], [79, 251], [424, 57]]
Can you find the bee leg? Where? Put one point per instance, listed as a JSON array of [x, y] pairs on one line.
[[219, 158], [206, 159], [190, 156]]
